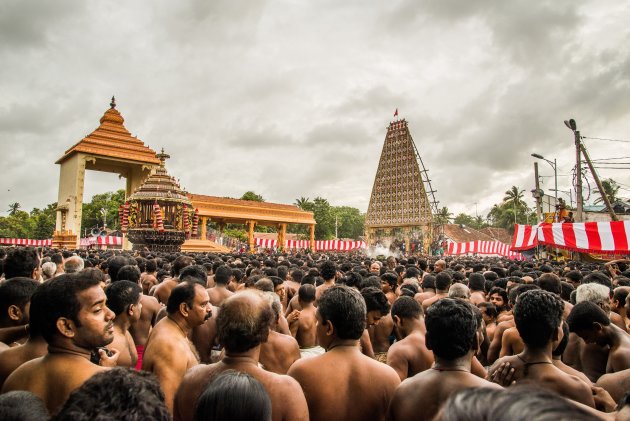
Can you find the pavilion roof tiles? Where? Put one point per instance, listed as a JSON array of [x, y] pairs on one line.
[[112, 139]]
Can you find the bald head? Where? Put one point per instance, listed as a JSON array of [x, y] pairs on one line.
[[244, 321]]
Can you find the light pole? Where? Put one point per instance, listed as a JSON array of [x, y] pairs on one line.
[[572, 125], [555, 172]]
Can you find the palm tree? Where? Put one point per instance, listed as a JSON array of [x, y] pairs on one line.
[[303, 202], [444, 216], [611, 190], [515, 195], [13, 208]]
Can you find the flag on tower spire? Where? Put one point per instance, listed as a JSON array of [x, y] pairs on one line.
[[396, 113]]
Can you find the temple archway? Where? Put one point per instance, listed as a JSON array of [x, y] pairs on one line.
[[109, 148]]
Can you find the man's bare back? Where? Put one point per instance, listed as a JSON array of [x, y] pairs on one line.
[[218, 294], [287, 399], [163, 290], [362, 391], [410, 356], [420, 397], [279, 352]]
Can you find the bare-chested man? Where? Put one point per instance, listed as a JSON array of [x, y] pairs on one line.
[[538, 318], [442, 284], [76, 322], [302, 323], [389, 282], [280, 351], [367, 384], [123, 298], [34, 347], [169, 352], [219, 292], [243, 323], [477, 285], [377, 306], [410, 355], [592, 324], [428, 289], [163, 289], [328, 271], [454, 335], [15, 302]]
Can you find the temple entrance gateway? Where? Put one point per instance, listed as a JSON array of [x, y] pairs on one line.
[[109, 148], [400, 213]]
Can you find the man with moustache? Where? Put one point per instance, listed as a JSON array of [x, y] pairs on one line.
[[77, 322], [169, 352]]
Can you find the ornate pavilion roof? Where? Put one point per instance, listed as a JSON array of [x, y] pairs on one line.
[[111, 139], [160, 186], [398, 196]]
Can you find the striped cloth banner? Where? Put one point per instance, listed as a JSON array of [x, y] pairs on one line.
[[101, 241], [483, 247], [588, 237], [324, 245], [26, 242]]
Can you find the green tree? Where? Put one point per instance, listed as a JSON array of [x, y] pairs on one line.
[[250, 195], [44, 221], [13, 208], [304, 203], [350, 222], [102, 207], [444, 216], [611, 190], [325, 218], [463, 219], [16, 225]]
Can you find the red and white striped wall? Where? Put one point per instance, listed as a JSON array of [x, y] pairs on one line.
[[483, 247], [337, 245]]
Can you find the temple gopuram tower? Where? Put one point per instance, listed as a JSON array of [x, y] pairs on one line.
[[400, 211]]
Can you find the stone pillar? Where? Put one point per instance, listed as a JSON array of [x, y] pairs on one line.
[[282, 232], [70, 201], [250, 234], [312, 236], [204, 228]]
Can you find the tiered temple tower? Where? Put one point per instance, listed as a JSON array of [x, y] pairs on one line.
[[400, 210]]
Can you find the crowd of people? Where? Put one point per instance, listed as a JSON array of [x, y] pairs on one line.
[[104, 334]]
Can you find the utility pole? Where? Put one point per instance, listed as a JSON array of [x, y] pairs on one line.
[[613, 215], [571, 124], [538, 196]]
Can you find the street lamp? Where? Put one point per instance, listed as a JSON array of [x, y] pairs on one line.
[[555, 172]]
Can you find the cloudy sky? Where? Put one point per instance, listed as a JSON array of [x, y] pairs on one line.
[[292, 98]]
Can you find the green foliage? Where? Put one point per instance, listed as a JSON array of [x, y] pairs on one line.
[[250, 195], [350, 221], [239, 233], [92, 215], [13, 208], [444, 216], [611, 190], [503, 215]]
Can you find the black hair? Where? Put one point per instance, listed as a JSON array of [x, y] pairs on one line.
[[443, 281], [20, 261], [306, 293], [451, 328], [283, 271], [412, 272], [128, 273], [328, 270], [150, 266], [198, 272], [428, 282], [375, 300], [114, 264], [122, 294], [502, 293], [584, 314], [16, 291], [406, 308], [21, 405], [476, 281], [371, 281], [567, 288], [353, 279], [243, 324], [345, 308], [297, 275], [520, 289], [550, 282], [491, 309], [574, 275], [116, 394], [537, 315], [180, 263], [222, 275], [234, 396], [184, 292], [597, 278], [391, 278], [59, 298]]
